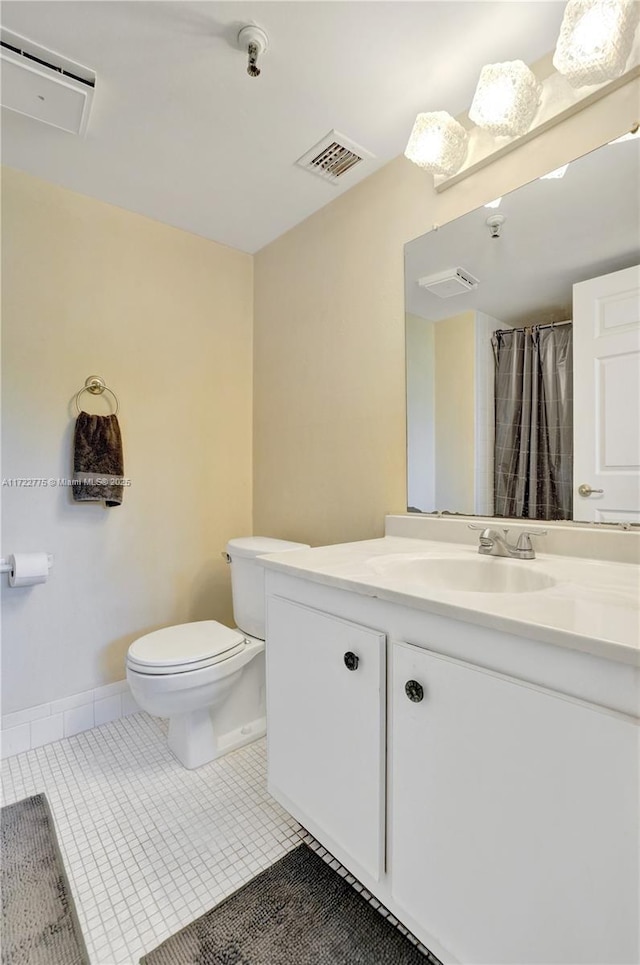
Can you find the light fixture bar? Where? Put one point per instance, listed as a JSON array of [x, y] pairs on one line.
[[559, 103], [595, 48]]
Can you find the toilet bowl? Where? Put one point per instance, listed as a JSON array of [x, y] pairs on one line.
[[209, 679], [186, 673]]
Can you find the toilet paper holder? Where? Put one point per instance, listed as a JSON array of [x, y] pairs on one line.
[[5, 565]]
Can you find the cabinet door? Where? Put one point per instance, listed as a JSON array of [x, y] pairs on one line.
[[326, 727], [514, 821]]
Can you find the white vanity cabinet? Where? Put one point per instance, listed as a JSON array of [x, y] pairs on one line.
[[511, 810], [326, 744], [509, 769]]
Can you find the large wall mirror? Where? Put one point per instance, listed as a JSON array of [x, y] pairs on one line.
[[523, 350]]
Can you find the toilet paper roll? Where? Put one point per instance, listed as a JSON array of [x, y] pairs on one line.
[[28, 569]]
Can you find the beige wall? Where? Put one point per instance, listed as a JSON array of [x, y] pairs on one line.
[[421, 412], [166, 318], [455, 352], [329, 385]]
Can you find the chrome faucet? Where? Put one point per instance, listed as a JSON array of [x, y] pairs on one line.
[[493, 543]]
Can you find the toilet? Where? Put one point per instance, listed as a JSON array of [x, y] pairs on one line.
[[209, 679]]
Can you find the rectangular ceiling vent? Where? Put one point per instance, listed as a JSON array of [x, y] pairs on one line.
[[333, 156], [44, 85], [452, 281]]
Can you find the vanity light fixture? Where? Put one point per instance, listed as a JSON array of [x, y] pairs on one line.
[[554, 175], [438, 143], [506, 98], [593, 48], [595, 40]]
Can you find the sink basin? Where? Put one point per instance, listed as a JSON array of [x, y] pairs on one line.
[[483, 575]]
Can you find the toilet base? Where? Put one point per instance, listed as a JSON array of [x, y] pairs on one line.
[[194, 741]]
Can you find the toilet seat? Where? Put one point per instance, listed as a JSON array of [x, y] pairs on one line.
[[185, 647]]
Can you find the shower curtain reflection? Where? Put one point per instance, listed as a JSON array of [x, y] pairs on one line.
[[533, 422]]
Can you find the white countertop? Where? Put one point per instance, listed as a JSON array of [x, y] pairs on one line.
[[594, 605]]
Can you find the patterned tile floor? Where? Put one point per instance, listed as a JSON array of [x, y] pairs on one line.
[[148, 846]]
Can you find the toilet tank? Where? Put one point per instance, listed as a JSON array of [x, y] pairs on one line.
[[247, 579]]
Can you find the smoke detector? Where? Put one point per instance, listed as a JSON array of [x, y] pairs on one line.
[[45, 85], [255, 42], [494, 223], [452, 281]]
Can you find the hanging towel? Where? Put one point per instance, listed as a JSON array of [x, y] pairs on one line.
[[98, 464]]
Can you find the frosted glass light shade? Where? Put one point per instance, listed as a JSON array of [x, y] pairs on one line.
[[506, 98], [438, 143], [595, 40]]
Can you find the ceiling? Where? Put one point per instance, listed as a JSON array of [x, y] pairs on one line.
[[550, 240], [179, 132]]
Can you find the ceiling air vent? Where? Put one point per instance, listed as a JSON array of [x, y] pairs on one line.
[[44, 85], [452, 281], [333, 157]]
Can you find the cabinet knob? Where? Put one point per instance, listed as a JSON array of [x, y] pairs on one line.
[[351, 661], [414, 690]]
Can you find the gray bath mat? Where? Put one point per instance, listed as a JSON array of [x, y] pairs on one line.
[[297, 912], [39, 921]]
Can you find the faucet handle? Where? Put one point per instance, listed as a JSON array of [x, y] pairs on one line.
[[524, 539], [486, 527]]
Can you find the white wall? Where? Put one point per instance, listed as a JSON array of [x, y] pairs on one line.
[[166, 318]]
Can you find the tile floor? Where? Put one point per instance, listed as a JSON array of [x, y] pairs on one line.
[[148, 846]]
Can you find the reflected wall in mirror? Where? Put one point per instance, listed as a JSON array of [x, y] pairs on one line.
[[523, 350]]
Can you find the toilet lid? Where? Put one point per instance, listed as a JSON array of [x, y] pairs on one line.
[[188, 646]]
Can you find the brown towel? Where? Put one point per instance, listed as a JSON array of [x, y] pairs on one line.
[[98, 464]]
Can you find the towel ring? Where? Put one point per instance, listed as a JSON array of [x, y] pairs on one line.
[[96, 386]]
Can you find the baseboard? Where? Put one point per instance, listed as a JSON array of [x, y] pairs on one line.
[[36, 726]]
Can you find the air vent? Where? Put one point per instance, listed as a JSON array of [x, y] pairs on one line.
[[44, 85], [333, 157], [452, 281]]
